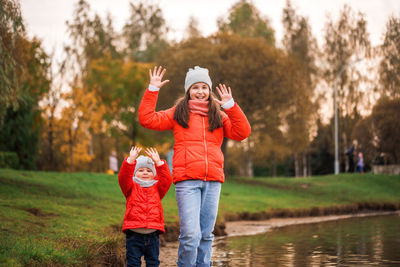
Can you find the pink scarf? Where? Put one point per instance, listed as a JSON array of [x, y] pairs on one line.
[[198, 107]]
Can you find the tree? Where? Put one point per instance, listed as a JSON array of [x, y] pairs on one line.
[[386, 120], [118, 86], [21, 129], [245, 20], [192, 29], [378, 134], [390, 64], [260, 76], [91, 38], [300, 44], [50, 156], [11, 30], [321, 149], [346, 40], [364, 132], [74, 125], [24, 68], [93, 42], [145, 32]]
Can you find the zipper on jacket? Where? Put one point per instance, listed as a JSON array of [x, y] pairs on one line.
[[205, 149]]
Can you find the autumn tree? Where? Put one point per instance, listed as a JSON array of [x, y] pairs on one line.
[[379, 133], [192, 29], [145, 32], [118, 85], [90, 37], [24, 68], [113, 78], [386, 120], [346, 40], [52, 138], [301, 45], [258, 74], [245, 20], [390, 64]]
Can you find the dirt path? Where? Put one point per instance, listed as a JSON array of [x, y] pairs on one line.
[[169, 252]]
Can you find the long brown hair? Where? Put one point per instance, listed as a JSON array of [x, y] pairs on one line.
[[181, 114]]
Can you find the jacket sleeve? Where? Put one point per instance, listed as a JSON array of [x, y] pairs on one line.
[[165, 179], [125, 177], [149, 118], [236, 125]]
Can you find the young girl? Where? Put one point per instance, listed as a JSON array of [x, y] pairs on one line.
[[199, 127], [144, 181]]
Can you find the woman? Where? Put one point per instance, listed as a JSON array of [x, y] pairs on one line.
[[199, 127]]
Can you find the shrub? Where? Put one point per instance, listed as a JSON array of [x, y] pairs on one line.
[[9, 160]]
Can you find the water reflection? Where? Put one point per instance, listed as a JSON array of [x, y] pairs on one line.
[[367, 241]]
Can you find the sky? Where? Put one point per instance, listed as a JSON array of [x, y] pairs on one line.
[[46, 19]]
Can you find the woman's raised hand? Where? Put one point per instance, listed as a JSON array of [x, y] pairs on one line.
[[156, 77], [224, 93]]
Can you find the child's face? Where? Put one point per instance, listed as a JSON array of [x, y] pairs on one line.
[[199, 91], [144, 174]]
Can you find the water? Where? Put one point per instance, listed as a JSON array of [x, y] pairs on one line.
[[366, 241]]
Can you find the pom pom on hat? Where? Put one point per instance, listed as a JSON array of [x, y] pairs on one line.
[[197, 75], [145, 162]]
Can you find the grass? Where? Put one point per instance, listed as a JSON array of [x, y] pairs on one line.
[[64, 219], [266, 194]]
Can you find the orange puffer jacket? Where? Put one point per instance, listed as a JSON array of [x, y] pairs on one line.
[[197, 151], [143, 204]]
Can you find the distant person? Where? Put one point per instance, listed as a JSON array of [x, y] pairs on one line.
[[144, 181], [113, 162], [360, 162], [199, 127], [350, 153]]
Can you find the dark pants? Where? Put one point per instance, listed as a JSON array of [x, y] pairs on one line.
[[351, 164], [138, 245]]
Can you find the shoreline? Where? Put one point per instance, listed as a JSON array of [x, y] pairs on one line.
[[169, 252]]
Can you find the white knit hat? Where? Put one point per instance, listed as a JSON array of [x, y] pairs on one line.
[[197, 75], [145, 162]]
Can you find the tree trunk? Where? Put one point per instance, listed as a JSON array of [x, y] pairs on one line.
[[304, 164], [119, 158], [103, 166], [50, 137], [249, 161], [71, 154], [296, 164], [273, 169]]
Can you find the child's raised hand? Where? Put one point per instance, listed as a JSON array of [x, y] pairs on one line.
[[153, 154], [134, 153], [224, 93], [156, 77]]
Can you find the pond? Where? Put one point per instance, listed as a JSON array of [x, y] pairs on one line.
[[362, 241]]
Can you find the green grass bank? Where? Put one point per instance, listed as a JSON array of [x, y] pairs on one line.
[[74, 219]]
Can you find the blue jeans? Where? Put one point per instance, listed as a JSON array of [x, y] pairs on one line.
[[198, 207], [138, 245]]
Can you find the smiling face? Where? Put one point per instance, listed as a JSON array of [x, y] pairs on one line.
[[199, 91], [144, 174]]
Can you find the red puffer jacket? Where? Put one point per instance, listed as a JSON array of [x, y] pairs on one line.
[[143, 204], [197, 151]]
